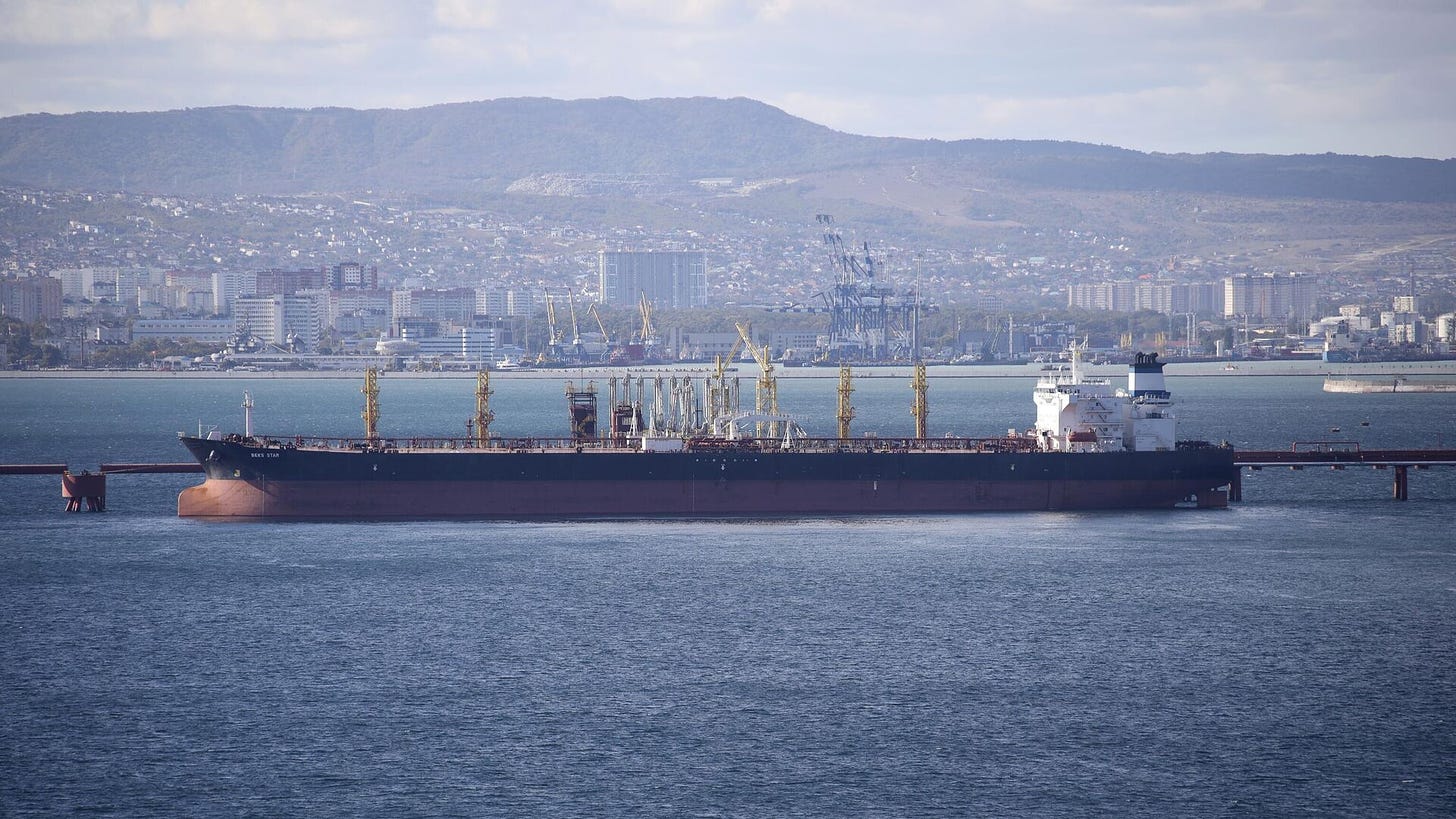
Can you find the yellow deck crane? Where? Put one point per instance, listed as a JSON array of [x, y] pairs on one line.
[[722, 399], [846, 409], [371, 404], [478, 428], [766, 391], [921, 407]]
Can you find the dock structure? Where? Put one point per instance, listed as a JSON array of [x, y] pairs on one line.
[[1338, 455], [86, 490]]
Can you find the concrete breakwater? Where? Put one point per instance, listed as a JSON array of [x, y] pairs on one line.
[[1391, 384]]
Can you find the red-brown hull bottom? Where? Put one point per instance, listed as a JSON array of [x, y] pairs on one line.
[[379, 500]]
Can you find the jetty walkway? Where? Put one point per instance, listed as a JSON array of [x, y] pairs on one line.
[[1340, 455]]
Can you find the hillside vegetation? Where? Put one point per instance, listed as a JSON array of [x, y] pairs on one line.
[[487, 146], [738, 162]]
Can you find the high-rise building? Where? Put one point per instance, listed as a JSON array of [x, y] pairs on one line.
[[1446, 327], [497, 301], [492, 301], [668, 279], [287, 282], [284, 321], [33, 298], [76, 282], [1271, 296], [132, 285], [229, 285], [359, 311], [1158, 296], [455, 305], [353, 276]]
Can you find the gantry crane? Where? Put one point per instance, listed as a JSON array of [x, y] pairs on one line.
[[868, 320]]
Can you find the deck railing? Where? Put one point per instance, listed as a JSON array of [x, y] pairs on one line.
[[633, 444]]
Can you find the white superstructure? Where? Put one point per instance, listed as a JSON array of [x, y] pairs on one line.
[[1078, 413]]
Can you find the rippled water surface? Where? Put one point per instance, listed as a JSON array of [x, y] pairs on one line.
[[1290, 655]]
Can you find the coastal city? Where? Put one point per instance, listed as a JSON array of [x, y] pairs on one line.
[[122, 280], [736, 408]]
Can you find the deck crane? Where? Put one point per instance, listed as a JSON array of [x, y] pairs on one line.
[[766, 391], [721, 398]]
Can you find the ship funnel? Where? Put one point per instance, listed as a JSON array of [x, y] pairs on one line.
[[1145, 377]]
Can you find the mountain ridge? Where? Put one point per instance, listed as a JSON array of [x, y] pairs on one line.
[[483, 147]]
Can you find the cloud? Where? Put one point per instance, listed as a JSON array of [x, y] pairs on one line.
[[467, 14], [1274, 75], [61, 22], [271, 21]]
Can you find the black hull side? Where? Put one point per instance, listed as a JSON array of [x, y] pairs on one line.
[[272, 482]]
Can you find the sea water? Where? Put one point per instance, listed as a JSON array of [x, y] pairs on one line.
[[1290, 655]]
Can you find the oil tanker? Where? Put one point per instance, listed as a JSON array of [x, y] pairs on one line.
[[689, 452]]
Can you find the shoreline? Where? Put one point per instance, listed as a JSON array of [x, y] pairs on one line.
[[1219, 369]]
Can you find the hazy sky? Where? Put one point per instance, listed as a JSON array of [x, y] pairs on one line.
[[1297, 76]]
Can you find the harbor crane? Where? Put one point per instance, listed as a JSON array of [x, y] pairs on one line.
[[647, 333], [602, 326], [553, 333], [575, 329], [868, 320]]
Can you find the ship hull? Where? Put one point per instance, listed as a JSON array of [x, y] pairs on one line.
[[247, 482]]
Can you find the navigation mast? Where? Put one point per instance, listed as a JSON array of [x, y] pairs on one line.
[[483, 415]]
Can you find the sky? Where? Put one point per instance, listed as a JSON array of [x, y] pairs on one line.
[[1245, 76]]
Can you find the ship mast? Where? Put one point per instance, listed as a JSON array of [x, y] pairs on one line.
[[846, 410], [483, 415], [247, 414], [371, 403], [920, 408]]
